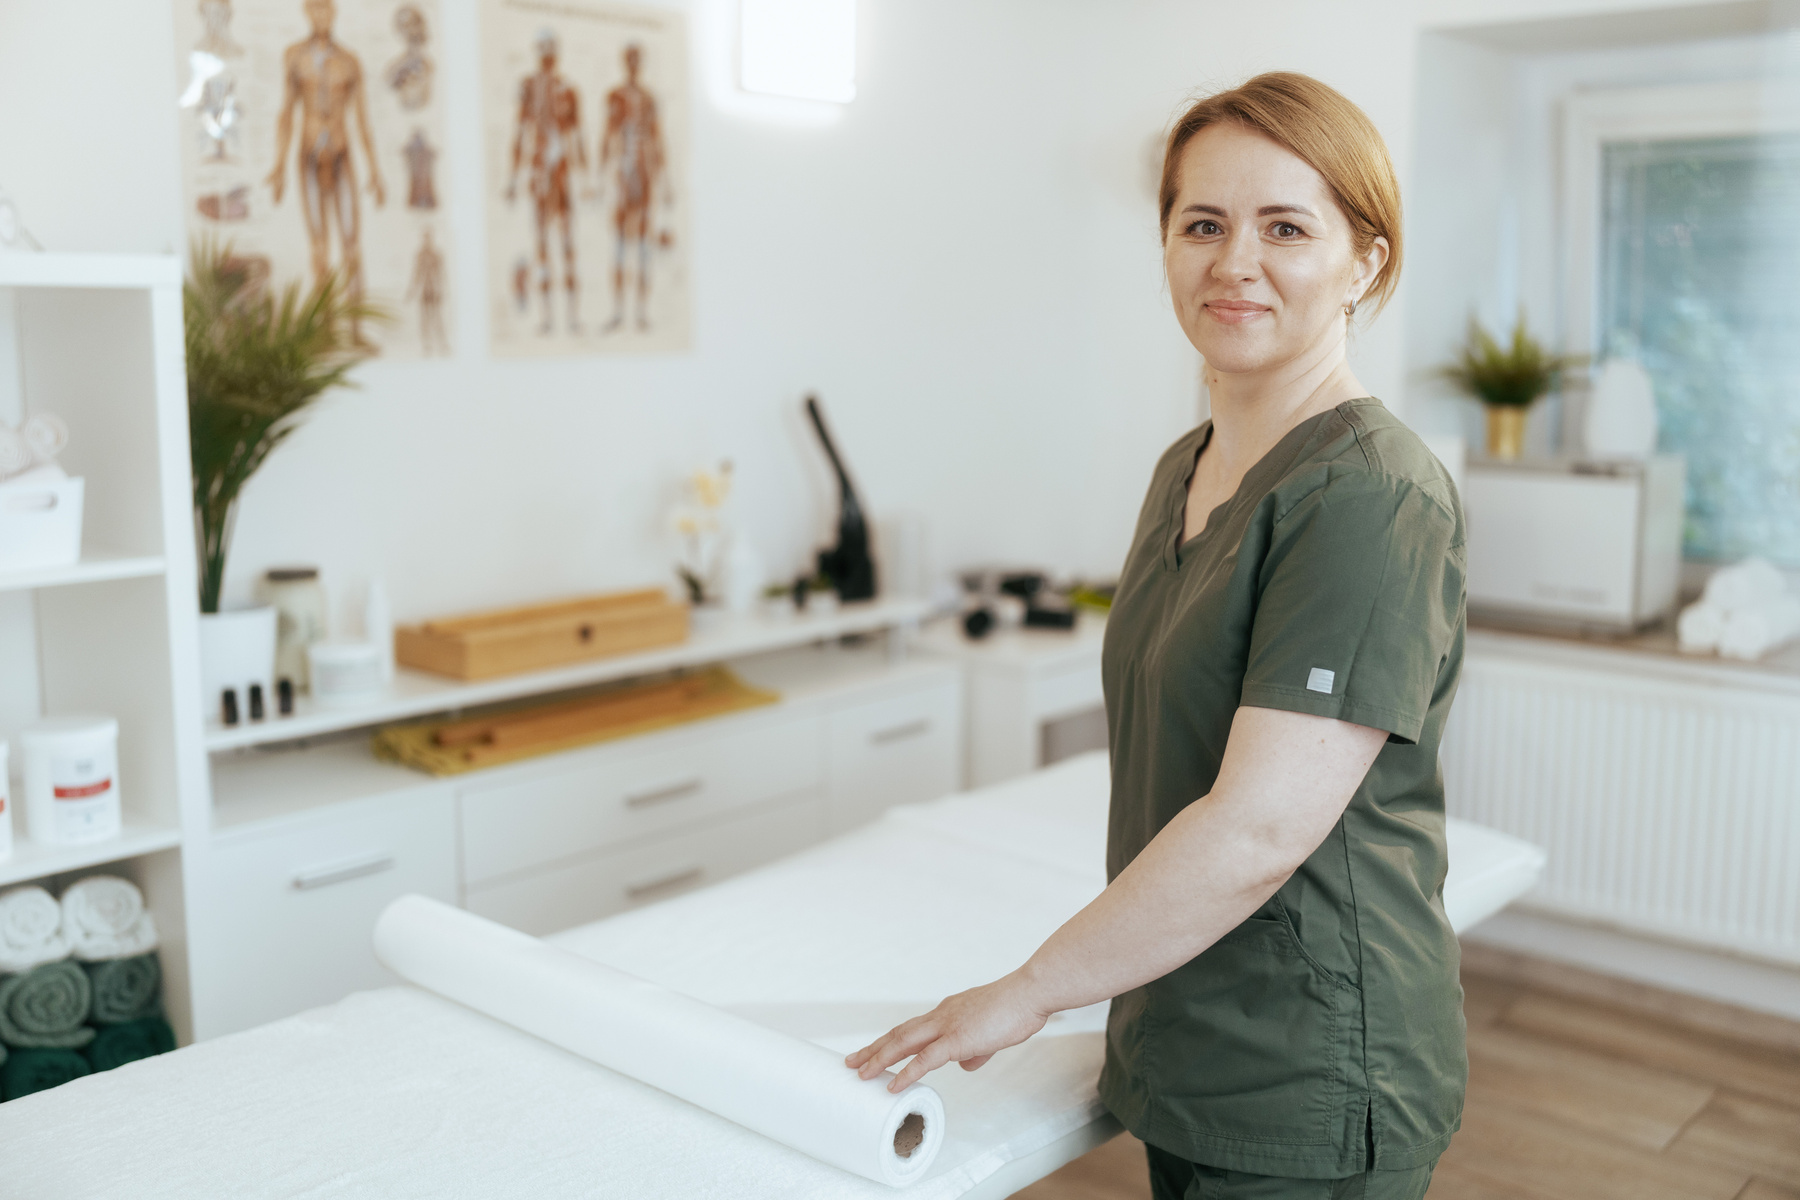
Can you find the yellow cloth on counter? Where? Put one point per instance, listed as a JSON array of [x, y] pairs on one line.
[[719, 691]]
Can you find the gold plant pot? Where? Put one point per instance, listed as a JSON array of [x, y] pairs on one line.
[[1505, 431]]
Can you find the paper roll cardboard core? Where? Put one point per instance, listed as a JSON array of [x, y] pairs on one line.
[[911, 1133]]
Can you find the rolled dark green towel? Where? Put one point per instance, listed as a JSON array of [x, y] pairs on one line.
[[28, 1071], [125, 989], [44, 1008], [116, 1045]]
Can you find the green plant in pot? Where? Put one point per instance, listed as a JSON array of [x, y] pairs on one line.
[[258, 358], [1507, 380]]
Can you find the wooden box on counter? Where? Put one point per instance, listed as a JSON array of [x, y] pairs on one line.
[[507, 641]]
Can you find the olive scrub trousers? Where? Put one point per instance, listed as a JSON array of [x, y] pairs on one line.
[[1173, 1178]]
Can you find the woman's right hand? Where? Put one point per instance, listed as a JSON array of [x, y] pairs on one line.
[[967, 1028]]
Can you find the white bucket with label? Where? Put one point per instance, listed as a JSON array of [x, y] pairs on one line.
[[71, 780]]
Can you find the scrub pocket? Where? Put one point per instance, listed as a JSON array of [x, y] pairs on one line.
[[1253, 1041]]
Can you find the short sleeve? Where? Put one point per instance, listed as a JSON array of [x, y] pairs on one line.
[[1360, 597]]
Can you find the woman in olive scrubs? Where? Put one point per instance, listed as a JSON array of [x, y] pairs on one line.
[[1279, 663]]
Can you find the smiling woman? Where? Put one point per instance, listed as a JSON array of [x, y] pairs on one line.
[[1279, 664]]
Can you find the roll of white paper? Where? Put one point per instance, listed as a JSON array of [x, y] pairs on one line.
[[790, 1090]]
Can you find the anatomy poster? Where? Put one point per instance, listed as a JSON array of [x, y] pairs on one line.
[[585, 108], [312, 139]]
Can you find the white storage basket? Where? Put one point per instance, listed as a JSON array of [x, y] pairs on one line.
[[40, 523]]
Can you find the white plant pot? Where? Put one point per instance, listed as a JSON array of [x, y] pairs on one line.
[[237, 649]]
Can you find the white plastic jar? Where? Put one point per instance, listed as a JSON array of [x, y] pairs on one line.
[[72, 779]]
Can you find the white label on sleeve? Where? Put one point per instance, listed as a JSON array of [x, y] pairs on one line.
[[1320, 680]]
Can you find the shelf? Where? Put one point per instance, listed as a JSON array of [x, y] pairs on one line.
[[1021, 649], [416, 693], [1653, 654], [95, 566], [33, 861], [22, 269]]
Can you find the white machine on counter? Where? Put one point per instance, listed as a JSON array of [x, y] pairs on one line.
[[1583, 544]]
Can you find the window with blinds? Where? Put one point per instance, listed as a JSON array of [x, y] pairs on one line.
[[1700, 276]]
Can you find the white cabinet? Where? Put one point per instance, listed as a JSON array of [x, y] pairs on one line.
[[520, 818], [899, 749], [312, 842], [598, 885], [286, 908], [1034, 695]]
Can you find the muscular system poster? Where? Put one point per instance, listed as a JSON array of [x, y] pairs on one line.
[[585, 111], [311, 139]]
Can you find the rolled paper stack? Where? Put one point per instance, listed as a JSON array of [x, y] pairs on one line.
[[28, 1071], [103, 917], [129, 1041], [46, 1008], [30, 930]]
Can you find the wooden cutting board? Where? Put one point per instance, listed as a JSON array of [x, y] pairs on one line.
[[506, 641]]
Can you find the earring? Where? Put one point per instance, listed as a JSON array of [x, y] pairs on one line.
[[1350, 309]]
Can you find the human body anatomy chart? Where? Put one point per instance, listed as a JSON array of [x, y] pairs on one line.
[[311, 138], [586, 138]]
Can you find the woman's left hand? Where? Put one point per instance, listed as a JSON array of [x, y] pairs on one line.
[[967, 1028]]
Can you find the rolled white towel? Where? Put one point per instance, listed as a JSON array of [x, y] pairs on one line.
[[1698, 628], [1749, 584], [31, 930], [46, 434], [104, 917], [1750, 633], [15, 451]]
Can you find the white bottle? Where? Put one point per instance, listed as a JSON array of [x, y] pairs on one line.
[[6, 816], [1621, 413], [72, 780], [378, 626]]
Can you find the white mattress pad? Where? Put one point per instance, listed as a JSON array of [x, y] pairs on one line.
[[398, 1093]]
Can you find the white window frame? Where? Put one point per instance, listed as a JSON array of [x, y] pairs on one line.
[[1592, 119]]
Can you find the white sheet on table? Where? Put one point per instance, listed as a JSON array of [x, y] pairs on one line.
[[398, 1093], [1056, 817]]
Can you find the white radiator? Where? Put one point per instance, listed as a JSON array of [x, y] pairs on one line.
[[1666, 806]]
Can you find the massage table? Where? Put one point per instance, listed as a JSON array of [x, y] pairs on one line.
[[400, 1093]]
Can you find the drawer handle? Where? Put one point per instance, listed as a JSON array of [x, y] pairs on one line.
[[674, 879], [895, 733], [340, 872], [662, 793]]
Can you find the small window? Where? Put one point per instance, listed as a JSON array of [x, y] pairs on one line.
[[1699, 274]]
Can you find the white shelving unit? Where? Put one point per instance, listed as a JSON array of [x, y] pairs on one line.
[[97, 340]]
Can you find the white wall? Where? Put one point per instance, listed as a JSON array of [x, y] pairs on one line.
[[964, 264]]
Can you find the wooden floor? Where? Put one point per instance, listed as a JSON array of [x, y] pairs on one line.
[[1573, 1098]]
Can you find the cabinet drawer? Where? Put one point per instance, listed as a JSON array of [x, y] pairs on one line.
[[614, 880], [287, 913], [612, 796], [1068, 691], [897, 750]]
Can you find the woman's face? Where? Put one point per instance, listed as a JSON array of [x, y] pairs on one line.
[[1258, 254]]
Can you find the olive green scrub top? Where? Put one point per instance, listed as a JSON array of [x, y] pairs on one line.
[[1324, 1036]]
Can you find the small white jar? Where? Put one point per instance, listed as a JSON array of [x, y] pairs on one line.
[[6, 813], [345, 673], [72, 780]]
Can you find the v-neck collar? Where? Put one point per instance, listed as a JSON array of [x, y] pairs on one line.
[[1253, 482]]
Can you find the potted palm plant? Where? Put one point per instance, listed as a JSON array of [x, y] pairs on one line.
[[257, 359], [1507, 380]]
